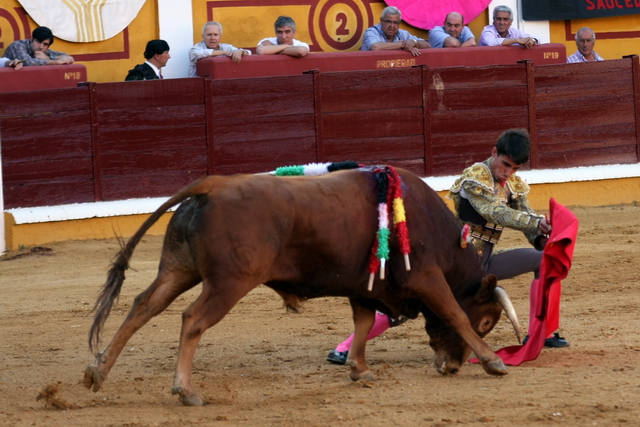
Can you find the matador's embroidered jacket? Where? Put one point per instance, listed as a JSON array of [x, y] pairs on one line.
[[488, 207]]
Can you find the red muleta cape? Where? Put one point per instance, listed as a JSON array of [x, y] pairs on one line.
[[544, 300]]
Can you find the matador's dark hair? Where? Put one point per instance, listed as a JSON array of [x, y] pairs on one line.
[[515, 144]]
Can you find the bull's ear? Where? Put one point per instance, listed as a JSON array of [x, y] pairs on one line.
[[487, 290]]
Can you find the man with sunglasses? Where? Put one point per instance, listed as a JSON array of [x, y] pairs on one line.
[[387, 35]]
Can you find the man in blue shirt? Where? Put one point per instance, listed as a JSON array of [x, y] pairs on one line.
[[453, 34], [387, 35]]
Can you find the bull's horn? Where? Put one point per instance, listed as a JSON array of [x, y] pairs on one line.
[[506, 304]]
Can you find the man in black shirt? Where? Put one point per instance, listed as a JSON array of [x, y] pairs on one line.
[[156, 55]]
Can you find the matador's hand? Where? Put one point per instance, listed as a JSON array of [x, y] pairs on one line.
[[544, 227]]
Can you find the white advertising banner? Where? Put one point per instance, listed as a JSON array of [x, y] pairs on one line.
[[83, 20]]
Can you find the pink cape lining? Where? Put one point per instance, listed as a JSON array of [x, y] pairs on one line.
[[428, 14], [544, 300]]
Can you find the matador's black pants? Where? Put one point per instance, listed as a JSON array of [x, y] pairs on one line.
[[511, 263]]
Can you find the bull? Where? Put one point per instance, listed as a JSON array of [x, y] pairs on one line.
[[307, 237]]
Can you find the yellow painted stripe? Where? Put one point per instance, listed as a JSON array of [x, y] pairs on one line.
[[76, 16], [88, 18], [95, 19]]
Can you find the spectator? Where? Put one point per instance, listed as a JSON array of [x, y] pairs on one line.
[[15, 63], [585, 40], [211, 46], [453, 34], [502, 34], [488, 197], [35, 51], [387, 35], [284, 43], [156, 55]]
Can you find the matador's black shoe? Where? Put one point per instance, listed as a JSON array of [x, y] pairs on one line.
[[337, 357], [556, 341]]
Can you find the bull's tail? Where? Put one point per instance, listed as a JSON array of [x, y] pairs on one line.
[[116, 276]]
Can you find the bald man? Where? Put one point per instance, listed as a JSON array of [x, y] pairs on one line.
[[453, 33]]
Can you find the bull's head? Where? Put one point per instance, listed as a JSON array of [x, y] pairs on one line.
[[484, 310]]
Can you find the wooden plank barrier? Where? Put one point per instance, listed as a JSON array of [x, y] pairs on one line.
[[262, 123], [281, 65], [585, 114], [373, 117], [151, 137], [122, 140], [470, 108], [46, 147]]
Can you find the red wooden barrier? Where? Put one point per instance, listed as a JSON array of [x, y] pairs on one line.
[[140, 139], [280, 65], [41, 77], [150, 137], [470, 108], [374, 117], [259, 123], [46, 147], [585, 114]]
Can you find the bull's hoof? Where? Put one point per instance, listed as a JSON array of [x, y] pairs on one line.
[[444, 368], [364, 376], [187, 399], [354, 375], [496, 367], [93, 378]]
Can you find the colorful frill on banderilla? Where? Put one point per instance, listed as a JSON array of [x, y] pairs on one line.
[[390, 204], [315, 169]]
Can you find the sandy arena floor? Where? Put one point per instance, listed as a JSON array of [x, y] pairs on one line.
[[263, 367]]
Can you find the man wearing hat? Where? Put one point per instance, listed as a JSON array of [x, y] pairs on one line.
[[156, 55]]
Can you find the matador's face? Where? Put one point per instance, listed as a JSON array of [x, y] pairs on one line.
[[502, 167]]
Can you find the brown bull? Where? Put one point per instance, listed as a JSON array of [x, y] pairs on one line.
[[306, 237]]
